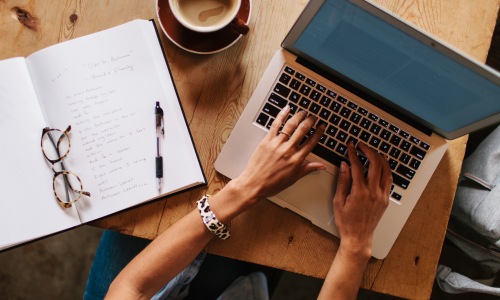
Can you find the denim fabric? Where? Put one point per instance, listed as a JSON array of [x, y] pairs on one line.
[[114, 252], [250, 287]]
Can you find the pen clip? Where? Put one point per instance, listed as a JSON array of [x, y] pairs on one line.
[[159, 117]]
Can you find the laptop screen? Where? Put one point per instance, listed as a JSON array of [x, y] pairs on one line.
[[387, 61]]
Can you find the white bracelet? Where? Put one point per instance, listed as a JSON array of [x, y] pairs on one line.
[[210, 220]]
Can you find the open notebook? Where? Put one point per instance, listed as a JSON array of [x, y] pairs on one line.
[[105, 85]]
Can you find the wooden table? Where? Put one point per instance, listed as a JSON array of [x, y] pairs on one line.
[[214, 90]]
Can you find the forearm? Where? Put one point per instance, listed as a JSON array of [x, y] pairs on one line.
[[176, 248], [344, 277]]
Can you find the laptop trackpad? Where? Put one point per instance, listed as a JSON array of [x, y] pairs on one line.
[[312, 195]]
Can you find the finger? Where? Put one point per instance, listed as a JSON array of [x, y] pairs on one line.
[[292, 124], [280, 118], [374, 168], [312, 141], [309, 167], [343, 184], [358, 176], [302, 129], [386, 177]]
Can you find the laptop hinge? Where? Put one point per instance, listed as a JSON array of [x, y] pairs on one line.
[[380, 104]]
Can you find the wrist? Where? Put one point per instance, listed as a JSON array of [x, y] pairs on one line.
[[231, 201], [356, 252]]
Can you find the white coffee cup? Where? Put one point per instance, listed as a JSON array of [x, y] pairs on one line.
[[205, 15]]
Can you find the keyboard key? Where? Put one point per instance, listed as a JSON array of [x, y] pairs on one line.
[[325, 101], [383, 122], [363, 111], [352, 105], [400, 181], [262, 119], [355, 117], [386, 134], [282, 90], [396, 196], [375, 141], [395, 140], [315, 95], [277, 100], [365, 123], [300, 76], [268, 126], [331, 143], [392, 163], [342, 99], [325, 114], [335, 106], [311, 82], [345, 112], [335, 119], [419, 153], [375, 129], [315, 107], [373, 117], [294, 97], [295, 84], [328, 155], [285, 78], [305, 90], [331, 94], [394, 128], [404, 134], [321, 88], [414, 140], [331, 130], [425, 146], [271, 109], [353, 140], [365, 136], [341, 149], [355, 130], [289, 70], [344, 125], [395, 152], [323, 138], [304, 102], [405, 145], [384, 147], [405, 158], [342, 136], [293, 108], [415, 163], [405, 171]]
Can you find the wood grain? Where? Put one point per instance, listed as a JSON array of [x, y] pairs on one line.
[[214, 90]]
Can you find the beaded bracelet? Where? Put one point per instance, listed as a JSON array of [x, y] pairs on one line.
[[210, 220]]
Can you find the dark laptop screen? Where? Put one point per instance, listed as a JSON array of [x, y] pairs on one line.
[[387, 61]]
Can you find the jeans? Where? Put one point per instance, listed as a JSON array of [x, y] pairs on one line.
[[216, 278]]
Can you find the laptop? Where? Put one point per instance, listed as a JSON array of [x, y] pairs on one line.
[[371, 77]]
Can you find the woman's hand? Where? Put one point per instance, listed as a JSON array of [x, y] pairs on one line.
[[360, 201], [279, 160]]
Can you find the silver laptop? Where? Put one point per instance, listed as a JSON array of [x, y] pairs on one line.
[[370, 77]]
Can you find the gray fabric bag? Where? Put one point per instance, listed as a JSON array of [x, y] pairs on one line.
[[474, 225]]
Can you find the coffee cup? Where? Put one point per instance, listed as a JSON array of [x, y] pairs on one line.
[[208, 15]]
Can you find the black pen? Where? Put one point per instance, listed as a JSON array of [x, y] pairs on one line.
[[159, 158]]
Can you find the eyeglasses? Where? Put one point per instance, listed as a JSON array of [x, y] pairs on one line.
[[64, 181]]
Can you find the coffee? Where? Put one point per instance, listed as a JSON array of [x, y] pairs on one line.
[[206, 13]]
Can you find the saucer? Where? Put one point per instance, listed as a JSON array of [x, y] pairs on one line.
[[198, 42]]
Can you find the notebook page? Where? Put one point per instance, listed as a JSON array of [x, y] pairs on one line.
[[105, 85], [28, 208]]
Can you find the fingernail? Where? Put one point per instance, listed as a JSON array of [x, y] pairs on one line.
[[285, 109], [343, 167]]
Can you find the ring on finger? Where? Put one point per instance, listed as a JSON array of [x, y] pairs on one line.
[[285, 133]]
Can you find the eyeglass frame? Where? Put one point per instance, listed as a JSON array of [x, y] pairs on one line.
[[63, 172]]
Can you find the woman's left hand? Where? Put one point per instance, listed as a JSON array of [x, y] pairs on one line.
[[279, 160]]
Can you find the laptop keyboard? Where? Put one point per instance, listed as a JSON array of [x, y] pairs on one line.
[[345, 121]]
